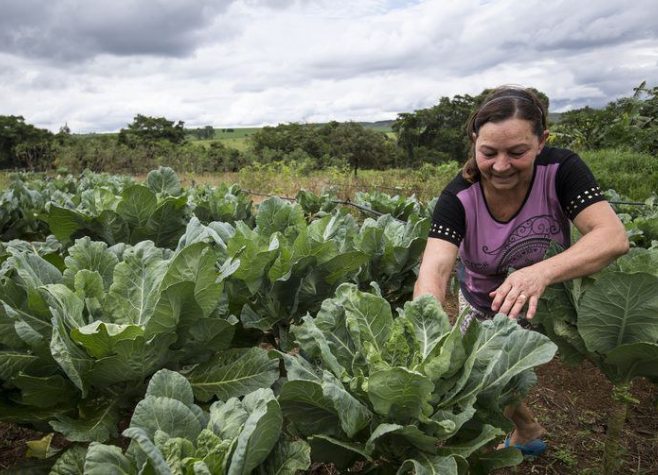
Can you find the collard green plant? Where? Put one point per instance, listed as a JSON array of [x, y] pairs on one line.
[[611, 319], [227, 204], [138, 214], [78, 344], [394, 249], [287, 267], [408, 392], [400, 207], [170, 434]]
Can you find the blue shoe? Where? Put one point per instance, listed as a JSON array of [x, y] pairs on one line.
[[531, 449]]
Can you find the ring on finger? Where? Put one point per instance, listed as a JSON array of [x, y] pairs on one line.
[[523, 297]]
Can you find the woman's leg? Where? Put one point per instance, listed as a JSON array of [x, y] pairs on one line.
[[526, 428]]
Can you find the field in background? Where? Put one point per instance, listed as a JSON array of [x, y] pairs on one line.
[[238, 138]]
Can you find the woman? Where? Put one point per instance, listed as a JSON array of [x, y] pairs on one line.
[[512, 198]]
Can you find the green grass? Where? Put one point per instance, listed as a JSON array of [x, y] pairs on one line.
[[629, 173], [235, 133]]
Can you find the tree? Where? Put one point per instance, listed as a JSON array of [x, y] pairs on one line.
[[148, 130], [360, 147], [438, 134], [34, 142], [209, 132]]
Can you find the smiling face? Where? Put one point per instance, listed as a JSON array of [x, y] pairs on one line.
[[505, 153]]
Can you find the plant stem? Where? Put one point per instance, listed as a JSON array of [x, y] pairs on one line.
[[616, 418]]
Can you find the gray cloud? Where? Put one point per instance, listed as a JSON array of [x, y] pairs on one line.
[[77, 29], [254, 62]]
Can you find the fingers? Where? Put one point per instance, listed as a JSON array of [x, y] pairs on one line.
[[499, 296], [517, 306], [512, 301], [532, 307]]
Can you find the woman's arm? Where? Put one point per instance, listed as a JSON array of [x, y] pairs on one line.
[[604, 239], [435, 268]]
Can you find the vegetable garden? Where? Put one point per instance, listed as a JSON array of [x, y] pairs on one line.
[[158, 329]]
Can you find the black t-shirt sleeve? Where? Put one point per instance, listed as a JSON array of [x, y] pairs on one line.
[[576, 186], [448, 219]]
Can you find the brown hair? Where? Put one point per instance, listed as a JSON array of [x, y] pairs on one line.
[[504, 103]]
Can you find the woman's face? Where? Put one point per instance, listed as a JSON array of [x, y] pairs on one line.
[[505, 153]]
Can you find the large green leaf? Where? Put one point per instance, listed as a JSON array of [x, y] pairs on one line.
[[165, 225], [634, 360], [135, 359], [255, 260], [259, 434], [342, 266], [73, 360], [12, 363], [45, 391], [353, 414], [34, 271], [64, 304], [99, 338], [287, 458], [305, 405], [487, 461], [500, 350], [172, 305], [400, 395], [276, 214], [314, 341], [64, 222], [137, 205], [227, 418], [429, 465], [401, 436], [619, 309], [233, 373], [97, 422], [369, 316], [107, 459], [429, 321], [72, 462], [94, 256], [468, 447], [136, 287], [169, 384], [197, 263], [163, 181], [110, 227], [155, 458], [169, 415]]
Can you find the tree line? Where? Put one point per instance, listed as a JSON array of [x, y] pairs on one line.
[[433, 135]]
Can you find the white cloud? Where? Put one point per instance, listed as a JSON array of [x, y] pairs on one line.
[[254, 62]]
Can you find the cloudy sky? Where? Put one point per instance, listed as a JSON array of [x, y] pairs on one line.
[[96, 64]]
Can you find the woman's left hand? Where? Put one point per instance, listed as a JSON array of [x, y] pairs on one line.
[[522, 287]]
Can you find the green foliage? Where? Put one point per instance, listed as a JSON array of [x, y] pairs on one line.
[[77, 344], [609, 318], [629, 122], [349, 142], [408, 390], [629, 173], [436, 134], [170, 434], [24, 145], [145, 130]]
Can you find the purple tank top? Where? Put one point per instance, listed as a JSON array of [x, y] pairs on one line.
[[491, 247]]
